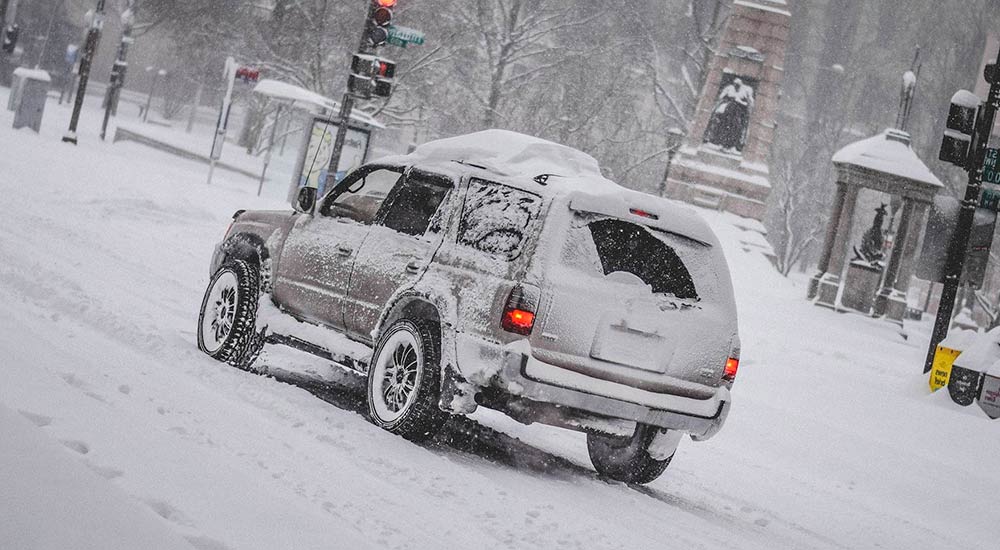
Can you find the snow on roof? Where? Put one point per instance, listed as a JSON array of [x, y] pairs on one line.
[[517, 159], [32, 74], [888, 152], [511, 153], [305, 99], [765, 5]]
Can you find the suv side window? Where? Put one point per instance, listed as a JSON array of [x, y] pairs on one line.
[[361, 200], [416, 201], [496, 218]]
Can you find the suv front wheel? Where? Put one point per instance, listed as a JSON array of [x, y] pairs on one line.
[[404, 380], [226, 323]]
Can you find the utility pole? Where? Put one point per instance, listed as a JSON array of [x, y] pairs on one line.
[[119, 68], [89, 50], [960, 241], [3, 27], [377, 19]]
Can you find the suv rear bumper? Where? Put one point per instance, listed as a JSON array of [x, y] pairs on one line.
[[535, 380]]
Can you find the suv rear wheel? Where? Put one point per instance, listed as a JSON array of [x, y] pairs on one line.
[[404, 380], [626, 459]]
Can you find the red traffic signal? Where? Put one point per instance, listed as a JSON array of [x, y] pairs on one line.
[[380, 15]]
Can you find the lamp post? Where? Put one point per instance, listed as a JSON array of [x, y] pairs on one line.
[[119, 69], [89, 50], [674, 137], [152, 90]]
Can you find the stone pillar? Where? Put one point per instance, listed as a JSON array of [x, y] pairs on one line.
[[831, 234], [896, 306], [829, 283], [898, 250]]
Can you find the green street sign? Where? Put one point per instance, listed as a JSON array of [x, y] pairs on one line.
[[990, 199], [991, 166], [402, 36]]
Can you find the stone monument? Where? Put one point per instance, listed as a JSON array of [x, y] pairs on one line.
[[724, 163]]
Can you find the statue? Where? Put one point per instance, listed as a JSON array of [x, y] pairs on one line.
[[730, 119], [871, 242]]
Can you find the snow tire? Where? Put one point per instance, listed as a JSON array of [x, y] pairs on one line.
[[626, 459], [418, 416], [238, 343]]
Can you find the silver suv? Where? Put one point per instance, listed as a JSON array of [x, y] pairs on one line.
[[494, 270]]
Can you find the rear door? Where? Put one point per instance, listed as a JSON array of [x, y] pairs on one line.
[[399, 248], [319, 254], [631, 304]]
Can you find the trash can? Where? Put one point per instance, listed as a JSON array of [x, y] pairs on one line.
[[15, 91], [33, 90]]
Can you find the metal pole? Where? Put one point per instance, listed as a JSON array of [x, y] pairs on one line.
[[194, 107], [960, 242], [345, 109], [149, 98], [119, 68], [3, 27], [90, 48]]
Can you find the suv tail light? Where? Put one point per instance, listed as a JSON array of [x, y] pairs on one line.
[[519, 311], [732, 367]]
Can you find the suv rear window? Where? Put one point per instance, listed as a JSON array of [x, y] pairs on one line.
[[496, 218], [627, 247]]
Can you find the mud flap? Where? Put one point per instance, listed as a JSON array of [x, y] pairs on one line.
[[458, 396]]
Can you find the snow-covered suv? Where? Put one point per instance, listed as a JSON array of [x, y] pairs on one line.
[[499, 270]]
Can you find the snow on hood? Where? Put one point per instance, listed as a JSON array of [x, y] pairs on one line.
[[510, 153], [888, 152]]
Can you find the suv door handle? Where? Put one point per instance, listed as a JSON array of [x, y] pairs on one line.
[[344, 250], [413, 267]]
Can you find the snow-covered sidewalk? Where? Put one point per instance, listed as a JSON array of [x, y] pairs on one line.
[[833, 441]]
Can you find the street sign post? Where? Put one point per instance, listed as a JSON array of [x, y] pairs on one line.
[[403, 36]]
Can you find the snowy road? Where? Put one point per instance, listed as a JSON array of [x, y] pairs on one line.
[[832, 443]]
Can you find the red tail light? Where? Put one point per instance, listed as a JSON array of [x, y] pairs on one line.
[[643, 214], [732, 366], [519, 312]]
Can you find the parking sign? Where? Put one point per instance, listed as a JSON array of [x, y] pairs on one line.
[[989, 398]]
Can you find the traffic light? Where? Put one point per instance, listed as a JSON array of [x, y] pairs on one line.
[[371, 76], [380, 16], [960, 127], [10, 35]]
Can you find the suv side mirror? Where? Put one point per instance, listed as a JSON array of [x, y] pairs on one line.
[[306, 199]]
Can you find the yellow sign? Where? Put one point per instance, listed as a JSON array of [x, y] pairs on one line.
[[944, 358]]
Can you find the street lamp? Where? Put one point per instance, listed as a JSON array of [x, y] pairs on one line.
[[95, 22], [119, 68], [674, 138], [152, 89]]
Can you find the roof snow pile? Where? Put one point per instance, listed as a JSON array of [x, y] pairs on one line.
[[511, 153], [888, 152], [302, 98]]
